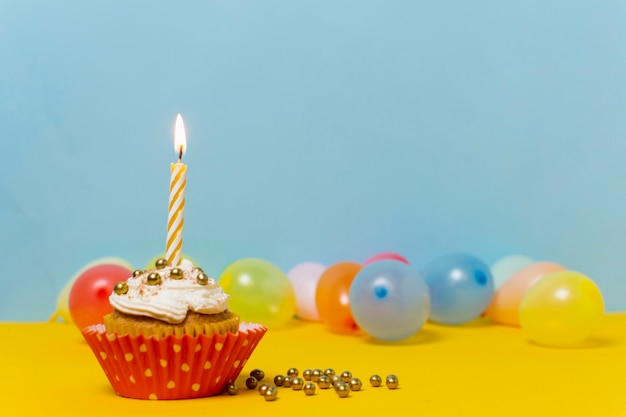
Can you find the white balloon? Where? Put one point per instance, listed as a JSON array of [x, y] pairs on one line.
[[304, 278], [507, 266]]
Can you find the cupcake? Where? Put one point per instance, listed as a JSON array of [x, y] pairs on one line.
[[171, 336]]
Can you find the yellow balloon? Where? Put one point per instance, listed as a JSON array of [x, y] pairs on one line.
[[260, 292], [563, 308], [63, 299]]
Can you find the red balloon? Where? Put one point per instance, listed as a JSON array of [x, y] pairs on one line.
[[386, 256], [332, 297], [89, 296]]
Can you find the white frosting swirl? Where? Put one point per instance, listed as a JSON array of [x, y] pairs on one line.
[[170, 300]]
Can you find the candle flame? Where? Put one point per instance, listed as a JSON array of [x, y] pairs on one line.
[[180, 138]]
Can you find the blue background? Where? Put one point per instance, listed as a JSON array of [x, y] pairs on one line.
[[317, 131]]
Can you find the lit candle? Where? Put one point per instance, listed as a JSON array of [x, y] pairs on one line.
[[178, 181]]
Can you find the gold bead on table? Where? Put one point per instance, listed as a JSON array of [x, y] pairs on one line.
[[233, 388], [309, 388], [251, 382], [160, 263], [391, 381], [278, 380], [323, 382], [271, 393], [258, 374], [346, 376], [315, 374], [297, 383], [376, 380], [342, 389], [329, 372], [355, 384], [176, 273], [137, 272], [306, 374], [335, 379], [120, 288], [287, 382], [202, 278], [292, 372], [263, 388], [153, 278]]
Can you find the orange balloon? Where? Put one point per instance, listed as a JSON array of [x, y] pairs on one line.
[[504, 307], [332, 297]]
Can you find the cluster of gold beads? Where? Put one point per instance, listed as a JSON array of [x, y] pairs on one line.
[[154, 277], [343, 383]]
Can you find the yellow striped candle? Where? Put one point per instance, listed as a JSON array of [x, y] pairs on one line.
[[178, 181]]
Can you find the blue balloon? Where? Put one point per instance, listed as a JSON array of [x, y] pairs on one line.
[[461, 288], [389, 300]]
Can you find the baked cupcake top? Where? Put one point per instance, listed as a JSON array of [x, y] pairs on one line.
[[168, 293]]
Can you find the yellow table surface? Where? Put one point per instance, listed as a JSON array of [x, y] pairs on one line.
[[478, 369]]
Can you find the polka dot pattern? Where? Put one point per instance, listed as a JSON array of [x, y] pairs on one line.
[[173, 367]]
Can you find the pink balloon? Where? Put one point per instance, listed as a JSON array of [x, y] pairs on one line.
[[386, 256], [304, 278], [504, 307]]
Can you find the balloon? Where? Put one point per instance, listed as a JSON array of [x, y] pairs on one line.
[[385, 256], [332, 297], [151, 262], [460, 288], [304, 278], [507, 266], [89, 296], [260, 292], [563, 308], [504, 307], [63, 309], [389, 300]]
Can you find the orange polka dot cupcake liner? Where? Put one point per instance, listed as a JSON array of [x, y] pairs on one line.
[[145, 367]]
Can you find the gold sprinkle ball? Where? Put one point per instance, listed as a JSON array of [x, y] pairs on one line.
[[297, 383], [376, 380], [342, 389], [153, 278], [315, 374], [197, 269], [355, 384], [176, 273], [120, 288], [258, 374], [292, 372], [346, 376], [278, 380], [391, 381], [137, 272], [263, 388], [233, 388], [160, 263], [287, 382], [251, 382], [335, 379], [307, 374], [309, 388], [202, 278], [271, 393], [323, 382], [329, 372]]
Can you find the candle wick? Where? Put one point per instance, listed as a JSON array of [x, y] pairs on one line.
[[180, 153]]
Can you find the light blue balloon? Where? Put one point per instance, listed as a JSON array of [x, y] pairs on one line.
[[507, 266], [389, 300], [461, 288]]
